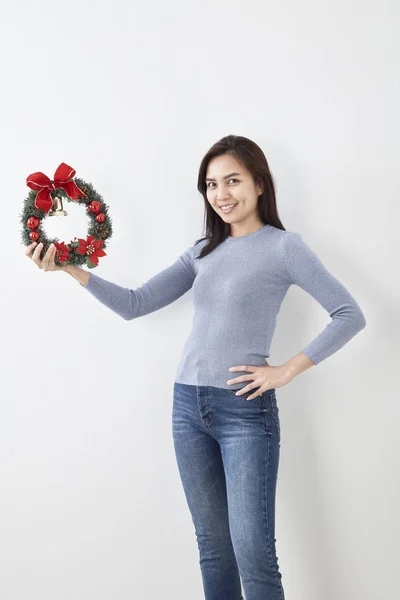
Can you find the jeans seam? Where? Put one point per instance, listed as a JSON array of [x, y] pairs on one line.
[[274, 415], [266, 519]]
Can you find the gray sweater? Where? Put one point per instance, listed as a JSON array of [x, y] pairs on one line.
[[237, 292]]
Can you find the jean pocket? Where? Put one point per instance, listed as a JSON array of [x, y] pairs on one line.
[[270, 411], [245, 395], [272, 397]]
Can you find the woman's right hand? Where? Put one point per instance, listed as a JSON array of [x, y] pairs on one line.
[[47, 263]]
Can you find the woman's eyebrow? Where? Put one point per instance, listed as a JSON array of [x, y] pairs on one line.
[[226, 176]]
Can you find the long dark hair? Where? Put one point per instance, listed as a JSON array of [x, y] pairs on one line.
[[252, 157]]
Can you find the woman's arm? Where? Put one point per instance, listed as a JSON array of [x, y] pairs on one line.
[[162, 289], [307, 271], [77, 273]]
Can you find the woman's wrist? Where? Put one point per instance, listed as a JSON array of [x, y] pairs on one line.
[[296, 365], [77, 273]]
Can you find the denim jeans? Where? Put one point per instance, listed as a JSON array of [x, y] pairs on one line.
[[227, 451]]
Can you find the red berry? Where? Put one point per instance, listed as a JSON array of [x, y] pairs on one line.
[[94, 206], [33, 223]]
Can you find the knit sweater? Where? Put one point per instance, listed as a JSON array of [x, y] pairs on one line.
[[237, 292]]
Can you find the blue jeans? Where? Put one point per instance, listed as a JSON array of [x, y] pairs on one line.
[[227, 450]]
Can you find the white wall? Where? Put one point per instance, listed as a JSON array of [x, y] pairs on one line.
[[132, 95]]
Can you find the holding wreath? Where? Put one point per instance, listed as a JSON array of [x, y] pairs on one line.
[[45, 199]]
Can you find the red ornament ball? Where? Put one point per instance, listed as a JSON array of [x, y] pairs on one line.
[[94, 206], [100, 218], [34, 236], [32, 223]]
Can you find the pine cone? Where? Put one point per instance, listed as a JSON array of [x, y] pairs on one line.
[[102, 230]]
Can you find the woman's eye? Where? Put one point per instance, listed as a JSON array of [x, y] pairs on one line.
[[229, 180]]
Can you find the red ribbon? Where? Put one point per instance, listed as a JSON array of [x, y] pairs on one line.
[[63, 178]]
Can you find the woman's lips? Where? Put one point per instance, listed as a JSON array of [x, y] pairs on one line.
[[226, 212]]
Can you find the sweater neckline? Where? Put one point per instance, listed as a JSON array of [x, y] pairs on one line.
[[235, 239]]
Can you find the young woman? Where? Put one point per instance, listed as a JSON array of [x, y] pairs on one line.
[[225, 417]]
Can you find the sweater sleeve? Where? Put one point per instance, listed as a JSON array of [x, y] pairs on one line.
[[162, 289], [307, 271]]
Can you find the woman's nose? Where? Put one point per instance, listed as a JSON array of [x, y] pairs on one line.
[[222, 193]]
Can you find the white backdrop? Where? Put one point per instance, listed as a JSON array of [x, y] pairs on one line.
[[132, 95]]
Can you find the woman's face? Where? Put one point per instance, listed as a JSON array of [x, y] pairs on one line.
[[228, 182]]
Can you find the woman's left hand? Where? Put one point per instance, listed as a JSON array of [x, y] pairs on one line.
[[264, 377]]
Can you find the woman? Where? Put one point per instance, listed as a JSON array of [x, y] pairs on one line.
[[225, 418]]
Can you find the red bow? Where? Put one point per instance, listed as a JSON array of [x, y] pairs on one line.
[[43, 185]]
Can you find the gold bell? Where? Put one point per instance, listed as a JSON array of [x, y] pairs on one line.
[[57, 210]]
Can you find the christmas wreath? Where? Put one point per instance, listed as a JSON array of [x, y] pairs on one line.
[[45, 199]]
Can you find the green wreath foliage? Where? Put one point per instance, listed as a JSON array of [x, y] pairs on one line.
[[97, 231]]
